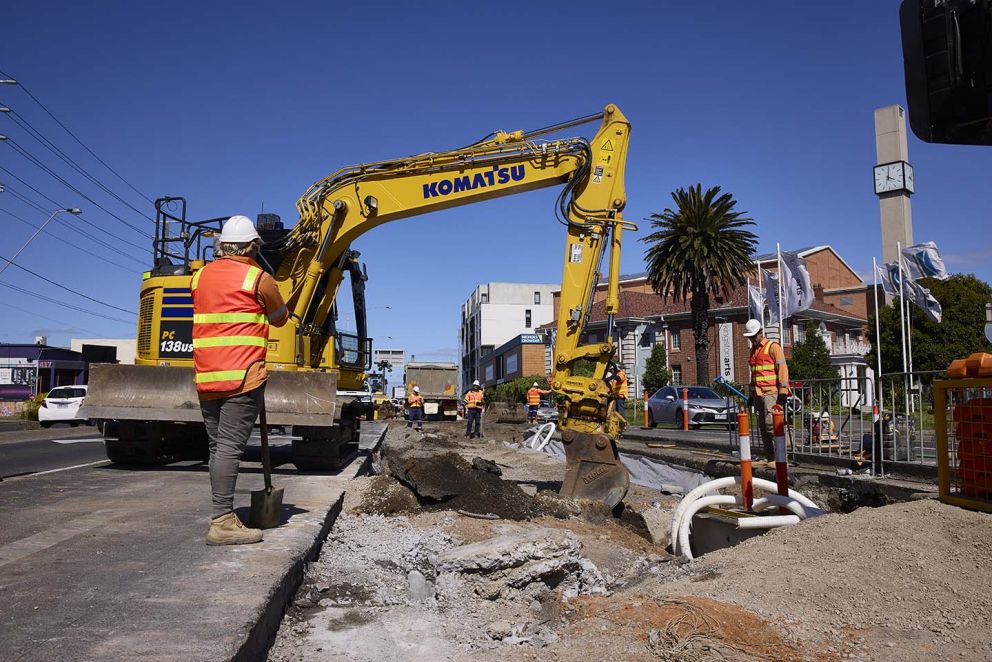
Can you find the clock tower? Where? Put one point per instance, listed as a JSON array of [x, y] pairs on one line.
[[893, 179]]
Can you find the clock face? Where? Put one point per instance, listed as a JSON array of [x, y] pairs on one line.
[[889, 177], [910, 182]]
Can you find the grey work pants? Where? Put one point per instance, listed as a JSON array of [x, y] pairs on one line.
[[763, 408], [229, 424]]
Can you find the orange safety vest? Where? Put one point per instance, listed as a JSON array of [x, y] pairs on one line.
[[534, 396], [415, 401], [473, 399], [620, 389], [764, 372], [230, 327]]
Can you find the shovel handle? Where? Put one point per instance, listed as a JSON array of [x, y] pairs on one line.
[[266, 460]]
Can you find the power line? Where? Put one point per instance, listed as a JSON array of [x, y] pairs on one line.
[[66, 129], [67, 243], [68, 160], [79, 216], [7, 304], [62, 180], [65, 287], [62, 303]]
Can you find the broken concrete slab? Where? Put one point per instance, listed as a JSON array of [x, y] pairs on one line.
[[508, 551]]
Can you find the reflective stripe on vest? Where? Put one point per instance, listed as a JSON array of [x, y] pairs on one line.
[[534, 396], [230, 327]]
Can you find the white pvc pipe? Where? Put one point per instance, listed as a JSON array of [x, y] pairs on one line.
[[768, 522], [773, 500], [686, 523], [548, 430], [722, 483]]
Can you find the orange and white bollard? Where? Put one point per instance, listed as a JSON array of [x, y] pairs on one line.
[[781, 466], [645, 408], [743, 433], [685, 408]]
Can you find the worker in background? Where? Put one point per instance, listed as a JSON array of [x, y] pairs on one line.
[[534, 394], [234, 302], [619, 389], [415, 409], [769, 382], [473, 410]]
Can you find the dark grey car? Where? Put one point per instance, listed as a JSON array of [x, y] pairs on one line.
[[706, 407]]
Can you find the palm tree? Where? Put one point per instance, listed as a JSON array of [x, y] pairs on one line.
[[699, 249]]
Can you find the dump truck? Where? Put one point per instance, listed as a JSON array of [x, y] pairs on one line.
[[150, 411], [438, 384]]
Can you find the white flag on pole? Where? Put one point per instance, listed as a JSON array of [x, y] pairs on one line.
[[924, 261], [771, 297], [756, 303], [888, 278], [921, 296], [797, 284]]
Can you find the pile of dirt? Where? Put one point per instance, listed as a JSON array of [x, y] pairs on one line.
[[447, 481], [914, 574]]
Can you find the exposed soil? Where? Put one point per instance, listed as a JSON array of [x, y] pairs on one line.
[[405, 575]]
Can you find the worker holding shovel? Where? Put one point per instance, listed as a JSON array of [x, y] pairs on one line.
[[234, 302]]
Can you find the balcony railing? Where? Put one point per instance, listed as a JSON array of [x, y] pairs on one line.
[[858, 347]]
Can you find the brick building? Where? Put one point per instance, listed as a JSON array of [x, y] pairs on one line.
[[521, 356], [839, 315]]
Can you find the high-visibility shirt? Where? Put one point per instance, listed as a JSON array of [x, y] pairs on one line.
[[415, 401], [620, 388], [230, 325], [534, 396], [769, 371], [473, 399]]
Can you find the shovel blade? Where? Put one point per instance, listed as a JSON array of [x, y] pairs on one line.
[[266, 508]]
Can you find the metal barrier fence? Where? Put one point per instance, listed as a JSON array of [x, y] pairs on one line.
[[836, 418], [964, 441]]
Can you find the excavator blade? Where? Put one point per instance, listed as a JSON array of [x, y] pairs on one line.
[[165, 393], [592, 468]]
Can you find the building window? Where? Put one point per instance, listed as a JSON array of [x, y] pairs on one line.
[[488, 373], [484, 297], [512, 364], [799, 331], [537, 299], [676, 374], [527, 319], [676, 341], [847, 301]]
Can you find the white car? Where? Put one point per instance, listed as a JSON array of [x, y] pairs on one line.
[[61, 405]]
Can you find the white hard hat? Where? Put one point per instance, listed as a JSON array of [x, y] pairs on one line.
[[238, 230], [475, 383], [535, 383], [752, 328], [416, 389]]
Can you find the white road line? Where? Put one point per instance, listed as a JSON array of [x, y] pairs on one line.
[[40, 541], [75, 466], [78, 441]]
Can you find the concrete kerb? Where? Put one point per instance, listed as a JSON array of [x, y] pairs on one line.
[[260, 635]]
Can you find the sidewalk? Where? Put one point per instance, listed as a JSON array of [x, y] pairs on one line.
[[110, 563]]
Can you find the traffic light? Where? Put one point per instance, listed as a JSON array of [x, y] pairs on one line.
[[947, 53]]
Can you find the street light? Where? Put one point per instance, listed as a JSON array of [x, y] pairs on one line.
[[75, 211]]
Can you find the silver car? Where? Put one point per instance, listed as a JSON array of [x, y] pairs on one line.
[[706, 407]]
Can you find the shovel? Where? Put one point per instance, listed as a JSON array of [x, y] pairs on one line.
[[266, 504]]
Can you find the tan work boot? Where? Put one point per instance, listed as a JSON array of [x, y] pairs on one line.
[[228, 530]]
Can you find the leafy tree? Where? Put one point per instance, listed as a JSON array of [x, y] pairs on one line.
[[656, 374], [811, 358], [962, 298], [699, 249], [516, 390]]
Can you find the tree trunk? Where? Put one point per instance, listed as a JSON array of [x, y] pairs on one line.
[[700, 322]]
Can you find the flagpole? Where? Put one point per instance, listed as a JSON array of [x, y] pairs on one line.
[[876, 450], [781, 322], [902, 324]]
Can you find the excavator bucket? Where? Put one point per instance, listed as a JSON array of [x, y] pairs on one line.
[[164, 393], [592, 468]]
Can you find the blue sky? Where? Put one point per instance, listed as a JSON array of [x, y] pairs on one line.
[[236, 105]]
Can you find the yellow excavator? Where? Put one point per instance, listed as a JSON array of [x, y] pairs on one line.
[[150, 413]]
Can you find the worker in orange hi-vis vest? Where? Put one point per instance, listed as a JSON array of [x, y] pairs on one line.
[[234, 302], [619, 389], [534, 394], [473, 410], [415, 409], [769, 382]]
